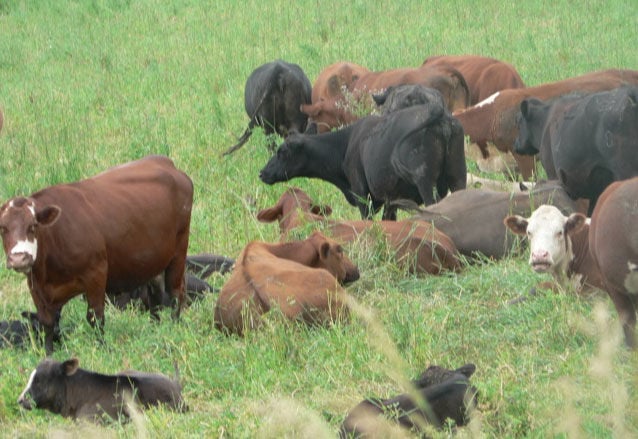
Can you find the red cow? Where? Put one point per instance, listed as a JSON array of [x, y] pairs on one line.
[[613, 242], [111, 232], [417, 243], [495, 118]]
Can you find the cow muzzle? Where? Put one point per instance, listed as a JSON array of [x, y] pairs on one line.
[[24, 402], [541, 261], [20, 262]]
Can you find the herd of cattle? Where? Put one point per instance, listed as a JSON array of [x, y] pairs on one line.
[[410, 151]]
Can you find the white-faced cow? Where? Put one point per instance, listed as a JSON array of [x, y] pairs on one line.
[[66, 389], [590, 141], [378, 159], [273, 97], [613, 243], [111, 232]]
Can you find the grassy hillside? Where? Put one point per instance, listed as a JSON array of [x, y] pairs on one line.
[[85, 85]]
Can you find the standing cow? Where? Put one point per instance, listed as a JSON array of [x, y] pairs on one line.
[[404, 154], [111, 232], [273, 97]]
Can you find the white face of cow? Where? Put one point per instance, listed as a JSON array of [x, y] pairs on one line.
[[549, 233], [19, 221]]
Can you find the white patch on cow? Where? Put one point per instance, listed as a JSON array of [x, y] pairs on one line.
[[548, 249], [27, 388], [631, 281], [488, 101], [26, 246]]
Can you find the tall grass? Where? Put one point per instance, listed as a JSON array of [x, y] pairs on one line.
[[85, 85]]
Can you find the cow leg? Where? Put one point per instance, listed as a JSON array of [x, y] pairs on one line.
[[626, 309], [49, 320], [174, 282], [389, 213]]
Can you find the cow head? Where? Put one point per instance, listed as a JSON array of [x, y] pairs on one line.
[[531, 123], [46, 385], [331, 257], [291, 204], [290, 160], [20, 219], [327, 114], [549, 233]]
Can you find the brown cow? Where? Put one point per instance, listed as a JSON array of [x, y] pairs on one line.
[[417, 244], [495, 118], [301, 278], [337, 111], [111, 232], [335, 78], [613, 242]]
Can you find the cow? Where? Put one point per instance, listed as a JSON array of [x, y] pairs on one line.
[[613, 243], [66, 389], [15, 333], [473, 218], [437, 395], [300, 278], [559, 245], [495, 118], [111, 232], [379, 159], [273, 97], [589, 141], [417, 245], [345, 109], [397, 97]]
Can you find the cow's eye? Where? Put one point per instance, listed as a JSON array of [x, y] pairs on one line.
[[31, 229], [3, 230]]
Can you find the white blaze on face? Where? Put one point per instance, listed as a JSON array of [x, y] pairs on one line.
[[23, 395], [488, 101], [546, 234], [26, 246]]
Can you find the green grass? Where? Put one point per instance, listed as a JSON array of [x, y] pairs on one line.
[[85, 85]]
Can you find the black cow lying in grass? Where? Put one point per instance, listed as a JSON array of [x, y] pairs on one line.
[[66, 389], [15, 333], [439, 394]]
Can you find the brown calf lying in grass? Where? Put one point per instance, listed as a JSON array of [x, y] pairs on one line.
[[417, 245], [301, 278]]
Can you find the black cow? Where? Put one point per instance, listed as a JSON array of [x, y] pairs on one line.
[[407, 95], [15, 333], [592, 140], [273, 97], [68, 390], [444, 394], [378, 159]]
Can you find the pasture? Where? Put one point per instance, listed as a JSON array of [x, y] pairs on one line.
[[86, 85]]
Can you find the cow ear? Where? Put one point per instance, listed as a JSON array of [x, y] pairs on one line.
[[48, 215], [516, 223], [324, 250], [70, 366], [575, 222], [324, 210], [270, 215]]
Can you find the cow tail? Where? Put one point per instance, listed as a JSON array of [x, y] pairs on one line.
[[253, 122]]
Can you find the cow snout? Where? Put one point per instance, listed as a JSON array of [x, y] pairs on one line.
[[21, 262], [352, 274], [540, 260], [24, 401]]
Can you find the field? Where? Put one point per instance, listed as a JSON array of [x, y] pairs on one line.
[[86, 85]]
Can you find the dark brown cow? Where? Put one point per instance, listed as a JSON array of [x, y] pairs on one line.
[[301, 278], [417, 244], [337, 111], [111, 232], [68, 390], [613, 242], [484, 76], [495, 118]]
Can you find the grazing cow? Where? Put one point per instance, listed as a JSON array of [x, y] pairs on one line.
[[495, 118], [273, 96], [417, 245], [111, 232], [15, 333], [301, 278], [66, 389], [439, 394], [558, 245], [590, 140], [473, 218], [613, 243], [337, 111], [402, 96], [379, 159]]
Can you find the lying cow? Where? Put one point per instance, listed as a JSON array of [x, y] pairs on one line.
[[301, 278], [473, 218], [495, 118], [613, 243], [443, 394], [66, 389], [273, 96], [378, 159], [111, 232], [586, 141], [417, 245], [15, 333]]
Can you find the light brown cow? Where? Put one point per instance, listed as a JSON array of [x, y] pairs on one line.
[[417, 245], [332, 80], [613, 242], [301, 278], [111, 232], [495, 118]]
